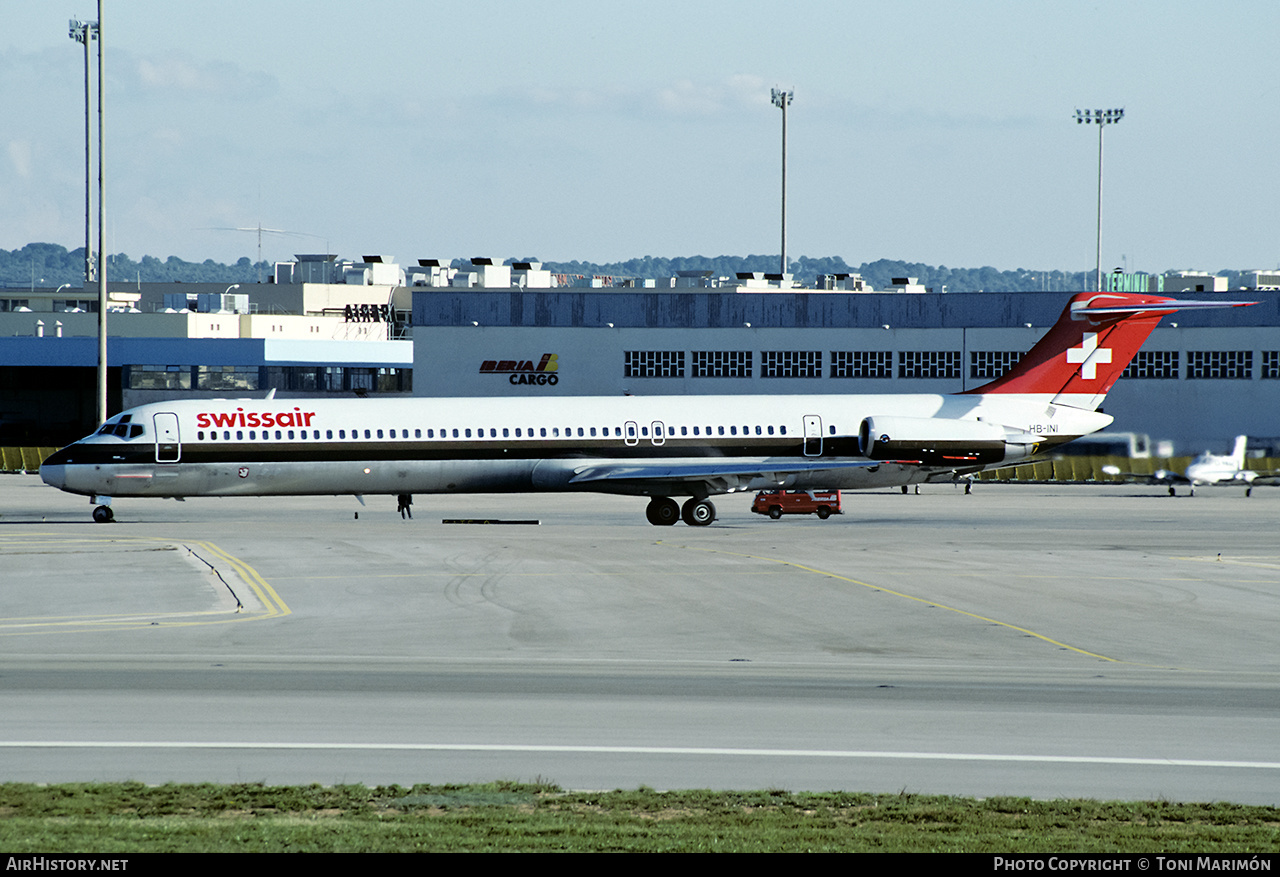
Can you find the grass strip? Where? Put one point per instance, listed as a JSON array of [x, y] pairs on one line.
[[508, 817]]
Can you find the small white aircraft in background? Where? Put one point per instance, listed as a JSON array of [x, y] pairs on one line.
[[1207, 469]]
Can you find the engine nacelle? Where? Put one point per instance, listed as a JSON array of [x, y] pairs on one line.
[[941, 441]]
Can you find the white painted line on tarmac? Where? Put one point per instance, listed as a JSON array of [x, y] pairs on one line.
[[635, 750]]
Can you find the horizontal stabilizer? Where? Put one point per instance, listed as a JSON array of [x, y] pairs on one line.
[[1082, 310]]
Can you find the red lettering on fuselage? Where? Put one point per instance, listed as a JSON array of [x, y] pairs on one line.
[[296, 417]]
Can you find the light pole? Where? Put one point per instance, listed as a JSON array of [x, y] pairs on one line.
[[782, 100], [85, 32], [102, 242], [1101, 118]]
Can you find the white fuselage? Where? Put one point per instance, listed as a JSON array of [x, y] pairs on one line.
[[420, 445], [1221, 469], [1211, 469]]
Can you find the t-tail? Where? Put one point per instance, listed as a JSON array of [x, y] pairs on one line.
[[1099, 333], [1237, 453]]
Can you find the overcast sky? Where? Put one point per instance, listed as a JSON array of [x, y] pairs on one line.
[[937, 132]]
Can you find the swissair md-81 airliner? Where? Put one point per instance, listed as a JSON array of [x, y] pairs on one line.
[[656, 446]]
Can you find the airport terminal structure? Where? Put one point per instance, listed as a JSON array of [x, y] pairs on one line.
[[326, 326]]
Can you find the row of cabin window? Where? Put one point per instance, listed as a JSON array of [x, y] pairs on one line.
[[459, 432]]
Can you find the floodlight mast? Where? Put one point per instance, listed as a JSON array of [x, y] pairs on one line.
[[1101, 118], [102, 242], [85, 32], [782, 100]]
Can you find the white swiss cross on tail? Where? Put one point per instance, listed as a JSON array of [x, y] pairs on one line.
[[1088, 355]]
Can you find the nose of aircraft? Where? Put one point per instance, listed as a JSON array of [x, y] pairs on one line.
[[53, 471], [53, 474]]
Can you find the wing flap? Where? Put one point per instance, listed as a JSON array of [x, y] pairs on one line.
[[700, 470]]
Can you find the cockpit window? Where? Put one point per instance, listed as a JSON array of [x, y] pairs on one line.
[[121, 427]]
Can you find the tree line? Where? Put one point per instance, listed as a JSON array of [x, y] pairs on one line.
[[53, 265], [878, 274], [43, 265]]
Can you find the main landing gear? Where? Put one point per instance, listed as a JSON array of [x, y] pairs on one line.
[[663, 511]]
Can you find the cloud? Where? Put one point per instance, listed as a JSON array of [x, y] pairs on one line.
[[683, 98], [687, 98], [20, 158], [181, 75]]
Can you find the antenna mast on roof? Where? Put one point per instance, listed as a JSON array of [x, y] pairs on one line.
[[261, 231]]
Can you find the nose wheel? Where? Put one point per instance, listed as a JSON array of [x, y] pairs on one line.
[[103, 514]]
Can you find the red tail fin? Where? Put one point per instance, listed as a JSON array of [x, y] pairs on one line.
[[1093, 342]]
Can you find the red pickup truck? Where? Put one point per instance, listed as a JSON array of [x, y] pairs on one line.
[[776, 503]]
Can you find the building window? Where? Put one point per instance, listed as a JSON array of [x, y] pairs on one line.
[[991, 364], [159, 377], [389, 380], [790, 363], [1226, 364], [360, 379], [226, 377], [281, 377], [929, 364], [335, 379], [721, 364], [1155, 364], [329, 379], [861, 364], [654, 364], [1270, 364]]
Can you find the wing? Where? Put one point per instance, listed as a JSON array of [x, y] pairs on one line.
[[669, 476], [1264, 477], [1160, 476]]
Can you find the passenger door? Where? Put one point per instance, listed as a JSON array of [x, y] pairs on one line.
[[812, 435], [168, 441]]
